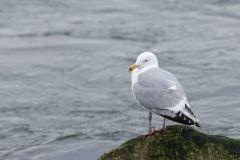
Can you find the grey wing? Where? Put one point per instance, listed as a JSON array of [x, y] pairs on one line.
[[161, 92], [157, 88]]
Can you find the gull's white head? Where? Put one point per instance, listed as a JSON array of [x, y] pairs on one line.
[[145, 60]]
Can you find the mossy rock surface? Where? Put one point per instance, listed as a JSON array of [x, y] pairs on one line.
[[176, 143]]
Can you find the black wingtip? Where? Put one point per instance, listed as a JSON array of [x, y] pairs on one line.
[[197, 124]]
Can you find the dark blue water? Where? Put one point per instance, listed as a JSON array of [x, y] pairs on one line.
[[64, 85]]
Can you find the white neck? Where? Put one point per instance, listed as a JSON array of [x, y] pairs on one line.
[[142, 70], [136, 72]]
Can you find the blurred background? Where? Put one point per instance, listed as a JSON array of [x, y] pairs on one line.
[[64, 82]]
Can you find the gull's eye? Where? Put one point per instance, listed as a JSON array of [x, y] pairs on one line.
[[145, 60]]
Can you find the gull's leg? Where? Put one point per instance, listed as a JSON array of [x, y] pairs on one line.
[[164, 124], [150, 122]]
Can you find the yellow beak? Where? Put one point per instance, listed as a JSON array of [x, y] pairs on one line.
[[132, 67]]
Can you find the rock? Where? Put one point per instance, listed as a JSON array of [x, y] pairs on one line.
[[176, 143]]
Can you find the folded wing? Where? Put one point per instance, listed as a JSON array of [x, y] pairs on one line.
[[160, 92]]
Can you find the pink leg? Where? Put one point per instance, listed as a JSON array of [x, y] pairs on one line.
[[150, 122], [164, 124]]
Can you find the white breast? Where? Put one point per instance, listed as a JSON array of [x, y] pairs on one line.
[[134, 76], [134, 79]]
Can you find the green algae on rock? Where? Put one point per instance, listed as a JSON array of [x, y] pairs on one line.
[[176, 143]]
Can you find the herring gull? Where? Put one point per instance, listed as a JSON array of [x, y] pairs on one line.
[[160, 92]]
